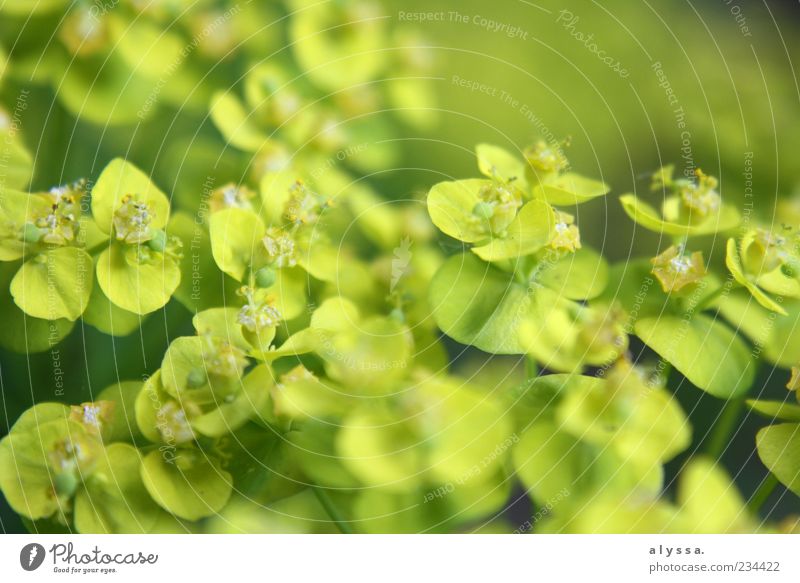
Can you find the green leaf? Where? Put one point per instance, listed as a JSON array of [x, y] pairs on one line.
[[530, 230], [137, 287], [582, 275], [645, 215], [547, 460], [450, 206], [236, 235], [55, 284], [121, 178], [710, 501], [378, 511], [570, 189], [778, 284], [618, 513], [779, 449], [474, 500], [275, 190], [705, 351], [191, 487], [41, 413], [16, 208]]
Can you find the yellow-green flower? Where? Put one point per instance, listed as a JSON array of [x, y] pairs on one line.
[[676, 270], [48, 233], [546, 159], [691, 206], [566, 235], [54, 466], [766, 264], [700, 197], [140, 269]]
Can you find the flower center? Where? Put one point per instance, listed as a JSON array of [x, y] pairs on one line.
[[280, 247], [546, 158], [256, 317]]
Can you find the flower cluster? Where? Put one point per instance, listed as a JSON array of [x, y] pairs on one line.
[[316, 388]]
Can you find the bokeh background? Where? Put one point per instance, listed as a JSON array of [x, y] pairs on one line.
[[730, 65]]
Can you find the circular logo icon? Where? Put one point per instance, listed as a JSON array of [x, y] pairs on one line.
[[31, 556]]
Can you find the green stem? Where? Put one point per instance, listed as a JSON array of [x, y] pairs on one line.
[[724, 427], [762, 494], [331, 509]]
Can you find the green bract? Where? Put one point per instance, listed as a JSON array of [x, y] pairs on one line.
[[707, 352], [48, 234], [139, 270]]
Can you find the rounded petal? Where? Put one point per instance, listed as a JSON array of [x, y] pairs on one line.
[[138, 288], [122, 178], [190, 486], [570, 189], [117, 503], [450, 206], [531, 230]]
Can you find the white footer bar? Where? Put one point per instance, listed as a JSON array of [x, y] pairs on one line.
[[407, 559]]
